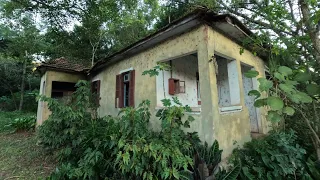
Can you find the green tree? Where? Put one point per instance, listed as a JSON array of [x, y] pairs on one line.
[[97, 28], [24, 42], [174, 9]]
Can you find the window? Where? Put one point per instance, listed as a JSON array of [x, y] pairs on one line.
[[95, 89], [125, 89], [62, 89], [228, 82]]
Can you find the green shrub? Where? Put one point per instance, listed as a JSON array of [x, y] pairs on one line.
[[122, 147], [11, 103], [277, 156], [23, 123]]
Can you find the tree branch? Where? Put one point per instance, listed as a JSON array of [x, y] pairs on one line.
[[280, 32], [309, 125]]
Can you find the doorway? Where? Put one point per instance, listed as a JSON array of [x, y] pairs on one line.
[[248, 85]]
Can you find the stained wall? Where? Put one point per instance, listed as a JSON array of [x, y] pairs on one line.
[[46, 88]]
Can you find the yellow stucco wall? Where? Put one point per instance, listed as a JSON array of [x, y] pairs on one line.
[[226, 128], [46, 87], [233, 129]]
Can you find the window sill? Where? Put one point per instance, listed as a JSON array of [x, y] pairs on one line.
[[194, 110], [230, 109]]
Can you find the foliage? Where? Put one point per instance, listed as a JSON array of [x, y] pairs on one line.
[[88, 30], [291, 92], [287, 31], [9, 103], [284, 94], [122, 147], [313, 168], [277, 156], [7, 118], [155, 70], [175, 9], [207, 164], [23, 124]]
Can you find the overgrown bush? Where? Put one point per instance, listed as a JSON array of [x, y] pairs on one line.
[[292, 102], [277, 156], [123, 147], [23, 123], [11, 103]]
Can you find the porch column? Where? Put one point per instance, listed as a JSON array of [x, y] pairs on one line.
[[208, 89]]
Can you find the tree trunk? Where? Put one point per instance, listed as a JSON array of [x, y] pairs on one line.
[[23, 83], [313, 32], [13, 99], [318, 152]]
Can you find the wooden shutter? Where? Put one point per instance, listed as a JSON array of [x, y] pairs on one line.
[[118, 79], [121, 92], [172, 87], [92, 87], [131, 88]]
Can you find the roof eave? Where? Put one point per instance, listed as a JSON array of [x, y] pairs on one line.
[[43, 68]]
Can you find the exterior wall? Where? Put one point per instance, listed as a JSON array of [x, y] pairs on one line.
[[232, 129], [146, 87], [227, 128], [46, 87], [184, 69]]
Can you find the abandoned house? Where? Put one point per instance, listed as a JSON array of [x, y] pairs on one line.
[[207, 74]]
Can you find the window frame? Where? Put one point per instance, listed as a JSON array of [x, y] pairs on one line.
[[120, 89], [233, 81]]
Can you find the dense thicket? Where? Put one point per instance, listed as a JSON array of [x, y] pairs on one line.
[[125, 147]]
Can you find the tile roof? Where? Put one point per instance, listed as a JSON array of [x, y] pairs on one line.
[[64, 65]]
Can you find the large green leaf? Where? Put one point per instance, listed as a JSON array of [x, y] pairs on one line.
[[251, 74], [233, 173], [273, 116], [284, 70], [288, 110], [186, 175], [300, 97], [246, 172], [313, 89], [275, 103], [260, 102], [302, 77], [279, 76], [287, 88], [265, 84], [292, 82], [254, 93]]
